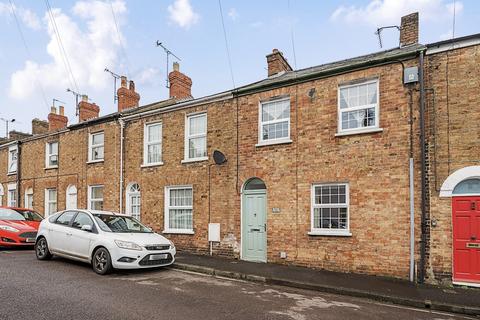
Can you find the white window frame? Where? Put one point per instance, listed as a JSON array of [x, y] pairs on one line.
[[1, 195], [186, 157], [68, 194], [263, 142], [49, 155], [90, 200], [12, 195], [49, 201], [28, 196], [131, 194], [147, 143], [375, 127], [12, 162], [167, 229], [91, 146], [324, 231]]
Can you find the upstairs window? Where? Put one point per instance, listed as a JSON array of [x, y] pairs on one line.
[[96, 147], [152, 147], [12, 159], [196, 137], [274, 124], [358, 106], [51, 159]]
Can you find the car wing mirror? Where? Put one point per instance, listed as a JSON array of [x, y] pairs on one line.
[[87, 227]]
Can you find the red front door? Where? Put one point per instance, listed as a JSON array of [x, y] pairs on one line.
[[466, 239]]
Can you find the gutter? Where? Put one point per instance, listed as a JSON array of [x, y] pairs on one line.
[[423, 175]]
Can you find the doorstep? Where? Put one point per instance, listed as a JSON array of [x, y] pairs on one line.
[[458, 300]]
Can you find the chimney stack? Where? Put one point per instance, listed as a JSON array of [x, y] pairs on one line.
[[277, 63], [57, 121], [180, 84], [87, 110], [127, 97], [409, 30], [39, 126]]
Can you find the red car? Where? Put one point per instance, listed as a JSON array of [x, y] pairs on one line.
[[18, 226]]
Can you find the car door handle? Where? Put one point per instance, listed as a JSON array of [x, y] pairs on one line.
[[69, 234]]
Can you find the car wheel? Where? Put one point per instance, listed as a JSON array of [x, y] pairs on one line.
[[102, 263], [41, 249]]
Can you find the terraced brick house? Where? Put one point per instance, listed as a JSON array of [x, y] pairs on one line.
[[366, 165]]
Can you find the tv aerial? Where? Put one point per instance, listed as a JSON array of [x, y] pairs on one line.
[[379, 33], [169, 53], [115, 78]]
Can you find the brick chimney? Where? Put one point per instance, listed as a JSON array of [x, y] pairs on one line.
[[409, 30], [57, 121], [127, 97], [277, 63], [39, 126], [87, 110], [180, 84]]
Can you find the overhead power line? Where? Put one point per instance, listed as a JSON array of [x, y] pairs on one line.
[[292, 36], [27, 49], [63, 52], [122, 47], [226, 42]]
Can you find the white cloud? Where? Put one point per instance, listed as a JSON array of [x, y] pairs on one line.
[[385, 12], [148, 76], [233, 14], [181, 13], [27, 16], [90, 49]]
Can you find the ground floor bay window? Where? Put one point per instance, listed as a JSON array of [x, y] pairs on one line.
[[179, 209], [330, 209]]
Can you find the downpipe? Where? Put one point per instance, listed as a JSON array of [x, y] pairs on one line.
[[122, 138], [423, 175]]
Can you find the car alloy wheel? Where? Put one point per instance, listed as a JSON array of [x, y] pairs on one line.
[[41, 249], [101, 261]]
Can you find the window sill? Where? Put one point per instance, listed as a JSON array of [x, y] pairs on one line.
[[11, 173], [359, 131], [95, 161], [178, 232], [336, 233], [273, 142], [194, 160], [49, 168], [150, 165]]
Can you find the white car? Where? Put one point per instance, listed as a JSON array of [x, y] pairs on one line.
[[106, 240]]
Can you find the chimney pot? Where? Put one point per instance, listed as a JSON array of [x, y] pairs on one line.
[[131, 85], [61, 110], [84, 98], [176, 66], [123, 81], [53, 110]]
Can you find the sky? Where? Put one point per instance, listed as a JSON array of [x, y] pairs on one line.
[[68, 44]]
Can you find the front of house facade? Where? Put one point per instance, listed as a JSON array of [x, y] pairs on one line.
[[320, 167]]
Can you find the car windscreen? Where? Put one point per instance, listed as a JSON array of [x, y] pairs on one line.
[[9, 214], [120, 224], [30, 215]]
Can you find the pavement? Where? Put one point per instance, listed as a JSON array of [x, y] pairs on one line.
[[64, 289], [460, 300]]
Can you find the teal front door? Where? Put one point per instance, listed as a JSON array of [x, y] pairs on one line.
[[254, 226]]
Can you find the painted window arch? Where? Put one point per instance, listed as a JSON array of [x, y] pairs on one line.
[[467, 187], [1, 194], [133, 200], [255, 184], [449, 186], [29, 198], [71, 197]]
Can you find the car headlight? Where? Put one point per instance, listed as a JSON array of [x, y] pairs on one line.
[[172, 246], [8, 228], [128, 245]]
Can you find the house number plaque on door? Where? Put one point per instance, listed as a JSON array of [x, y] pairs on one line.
[[473, 245]]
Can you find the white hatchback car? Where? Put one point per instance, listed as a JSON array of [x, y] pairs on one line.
[[106, 240]]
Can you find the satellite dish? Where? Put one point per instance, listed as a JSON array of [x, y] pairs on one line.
[[219, 157]]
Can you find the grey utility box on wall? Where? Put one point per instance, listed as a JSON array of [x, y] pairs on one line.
[[410, 75]]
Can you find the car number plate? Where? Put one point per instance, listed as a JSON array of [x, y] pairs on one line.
[[158, 256], [30, 240]]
